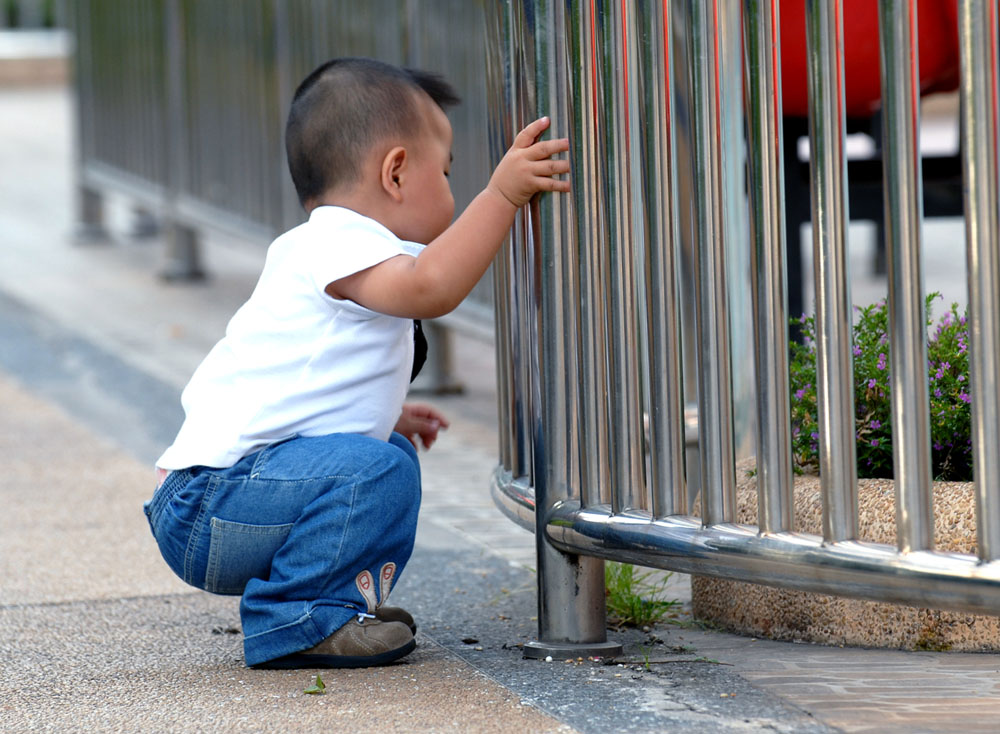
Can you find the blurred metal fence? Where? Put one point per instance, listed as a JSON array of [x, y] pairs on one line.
[[182, 105], [591, 295], [32, 13]]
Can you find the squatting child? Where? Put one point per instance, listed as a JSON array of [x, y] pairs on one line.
[[294, 479]]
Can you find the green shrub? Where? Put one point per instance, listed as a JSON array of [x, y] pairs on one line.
[[948, 381]]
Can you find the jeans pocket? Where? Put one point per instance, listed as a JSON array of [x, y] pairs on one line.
[[238, 552]]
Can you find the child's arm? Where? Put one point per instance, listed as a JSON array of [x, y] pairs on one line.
[[437, 281]]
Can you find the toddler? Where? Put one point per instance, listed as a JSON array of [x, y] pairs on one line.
[[294, 479]]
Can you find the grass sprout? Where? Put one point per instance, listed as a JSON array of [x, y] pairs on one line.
[[635, 598]]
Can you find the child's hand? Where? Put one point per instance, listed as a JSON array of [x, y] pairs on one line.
[[528, 167], [420, 419]]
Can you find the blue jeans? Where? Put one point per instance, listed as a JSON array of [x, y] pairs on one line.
[[290, 527]]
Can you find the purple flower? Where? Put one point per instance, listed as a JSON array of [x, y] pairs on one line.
[[937, 446], [964, 397], [937, 392], [961, 378], [881, 361], [875, 424], [814, 436], [800, 393], [874, 442], [871, 383], [857, 350]]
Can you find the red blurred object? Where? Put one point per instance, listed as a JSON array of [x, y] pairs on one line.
[[937, 26]]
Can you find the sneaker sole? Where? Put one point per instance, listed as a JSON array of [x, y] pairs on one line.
[[300, 660]]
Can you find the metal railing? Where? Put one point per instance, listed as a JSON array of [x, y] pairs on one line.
[[31, 13], [181, 108], [592, 297]]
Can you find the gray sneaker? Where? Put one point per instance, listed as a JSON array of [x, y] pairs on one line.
[[361, 643], [396, 614]]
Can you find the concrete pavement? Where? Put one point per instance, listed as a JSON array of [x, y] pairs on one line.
[[97, 635]]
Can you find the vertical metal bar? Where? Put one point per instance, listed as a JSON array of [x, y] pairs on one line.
[[625, 427], [828, 186], [521, 276], [589, 173], [666, 413], [908, 324], [979, 38], [291, 210], [571, 608], [499, 133], [182, 257], [770, 312], [714, 393]]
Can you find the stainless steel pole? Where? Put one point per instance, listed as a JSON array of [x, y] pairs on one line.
[[715, 412], [654, 74], [616, 30], [571, 606], [589, 173], [908, 324], [767, 226], [828, 185], [980, 52]]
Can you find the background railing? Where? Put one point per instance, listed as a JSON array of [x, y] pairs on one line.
[[182, 107], [596, 354], [32, 13]]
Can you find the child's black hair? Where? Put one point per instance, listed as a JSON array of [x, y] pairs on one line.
[[344, 107]]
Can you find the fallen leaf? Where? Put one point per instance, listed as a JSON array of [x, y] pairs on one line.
[[318, 689]]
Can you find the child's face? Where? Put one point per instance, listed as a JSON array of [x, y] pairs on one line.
[[429, 202]]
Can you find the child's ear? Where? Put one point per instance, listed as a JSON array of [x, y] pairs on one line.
[[393, 168]]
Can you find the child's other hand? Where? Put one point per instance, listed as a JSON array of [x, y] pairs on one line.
[[420, 419], [528, 167]]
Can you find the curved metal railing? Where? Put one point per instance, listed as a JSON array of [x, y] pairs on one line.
[[603, 293]]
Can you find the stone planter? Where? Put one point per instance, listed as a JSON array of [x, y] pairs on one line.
[[780, 614]]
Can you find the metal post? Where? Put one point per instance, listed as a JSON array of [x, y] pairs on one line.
[[90, 225], [182, 259], [654, 74], [979, 36], [616, 33], [908, 324], [499, 132], [828, 186], [571, 608], [589, 171], [770, 310], [715, 413]]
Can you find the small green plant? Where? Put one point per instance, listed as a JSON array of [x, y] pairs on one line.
[[635, 598], [316, 689], [948, 379]]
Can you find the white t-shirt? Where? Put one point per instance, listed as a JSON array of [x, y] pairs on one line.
[[295, 361]]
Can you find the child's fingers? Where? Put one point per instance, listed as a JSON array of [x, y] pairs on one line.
[[547, 148], [550, 167], [530, 133], [547, 183]]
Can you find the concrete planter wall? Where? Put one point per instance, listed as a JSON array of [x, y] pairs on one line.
[[783, 614]]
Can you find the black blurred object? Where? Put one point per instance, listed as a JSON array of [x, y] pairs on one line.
[[419, 349], [942, 187]]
